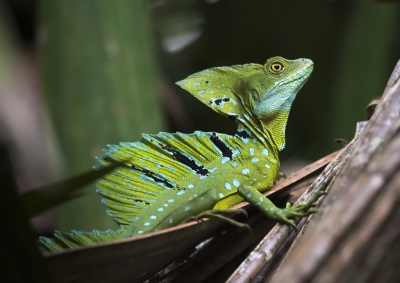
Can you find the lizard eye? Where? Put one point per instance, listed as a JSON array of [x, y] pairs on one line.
[[255, 95], [276, 67]]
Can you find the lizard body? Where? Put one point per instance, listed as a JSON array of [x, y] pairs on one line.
[[172, 177]]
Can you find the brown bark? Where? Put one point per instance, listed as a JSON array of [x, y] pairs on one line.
[[356, 235]]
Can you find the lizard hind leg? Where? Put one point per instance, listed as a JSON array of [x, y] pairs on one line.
[[224, 215], [252, 195]]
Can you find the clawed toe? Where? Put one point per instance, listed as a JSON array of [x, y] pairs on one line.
[[248, 228], [295, 211], [244, 212]]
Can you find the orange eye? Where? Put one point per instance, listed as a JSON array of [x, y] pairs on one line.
[[276, 67]]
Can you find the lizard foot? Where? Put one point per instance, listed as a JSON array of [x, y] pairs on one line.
[[224, 215], [283, 215]]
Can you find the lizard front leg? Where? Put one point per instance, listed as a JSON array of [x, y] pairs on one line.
[[253, 196]]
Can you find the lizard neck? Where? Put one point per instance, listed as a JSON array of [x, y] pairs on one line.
[[275, 127], [270, 131], [262, 139]]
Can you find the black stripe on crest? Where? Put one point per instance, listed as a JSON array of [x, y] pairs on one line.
[[152, 176], [226, 151], [185, 160]]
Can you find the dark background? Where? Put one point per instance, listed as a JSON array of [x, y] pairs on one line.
[[354, 45]]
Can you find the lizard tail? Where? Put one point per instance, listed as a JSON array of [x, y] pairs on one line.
[[76, 239], [153, 166]]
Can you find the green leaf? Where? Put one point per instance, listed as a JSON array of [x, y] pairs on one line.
[[41, 199]]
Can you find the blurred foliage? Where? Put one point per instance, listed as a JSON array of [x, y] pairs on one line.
[[99, 74], [20, 260], [99, 81], [364, 65], [47, 197], [354, 45]]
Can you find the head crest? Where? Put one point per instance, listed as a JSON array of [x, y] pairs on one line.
[[216, 88]]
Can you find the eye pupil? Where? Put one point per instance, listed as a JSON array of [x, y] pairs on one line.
[[276, 67]]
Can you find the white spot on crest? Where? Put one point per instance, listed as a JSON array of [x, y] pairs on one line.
[[166, 204], [160, 209], [181, 192], [201, 177], [245, 171], [228, 186], [254, 140], [147, 224], [224, 160], [187, 208], [267, 166], [221, 195], [234, 164], [213, 169], [236, 182], [264, 151], [140, 232], [190, 186], [208, 83], [251, 150], [196, 83], [282, 146], [153, 217], [254, 160], [171, 200], [248, 195], [171, 220], [235, 152]]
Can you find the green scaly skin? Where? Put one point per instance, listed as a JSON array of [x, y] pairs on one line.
[[172, 177]]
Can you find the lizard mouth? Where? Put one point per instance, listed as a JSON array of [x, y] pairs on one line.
[[298, 76]]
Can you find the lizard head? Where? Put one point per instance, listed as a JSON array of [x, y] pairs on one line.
[[271, 91], [256, 96]]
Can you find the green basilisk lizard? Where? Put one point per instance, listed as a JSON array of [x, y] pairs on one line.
[[171, 177]]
